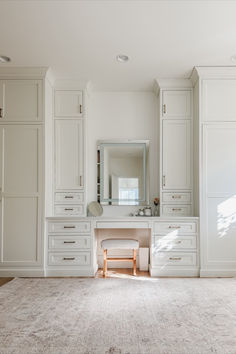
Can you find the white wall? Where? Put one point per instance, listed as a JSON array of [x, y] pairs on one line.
[[121, 115]]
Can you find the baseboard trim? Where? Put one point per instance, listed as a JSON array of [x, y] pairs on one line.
[[160, 272], [31, 273], [69, 272], [217, 273]]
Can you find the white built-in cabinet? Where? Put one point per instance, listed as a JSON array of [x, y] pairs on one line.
[[176, 104], [175, 151], [68, 103], [21, 173], [27, 98], [21, 194], [215, 89], [176, 154], [69, 154], [69, 186]]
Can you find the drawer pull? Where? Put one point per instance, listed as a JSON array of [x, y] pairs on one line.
[[176, 196], [69, 196], [66, 209], [69, 258], [175, 258], [174, 227], [69, 227], [176, 209], [69, 241], [177, 242]]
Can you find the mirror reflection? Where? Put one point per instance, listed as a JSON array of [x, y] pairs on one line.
[[122, 173]]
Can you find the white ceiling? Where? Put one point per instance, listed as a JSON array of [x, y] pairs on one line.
[[80, 39]]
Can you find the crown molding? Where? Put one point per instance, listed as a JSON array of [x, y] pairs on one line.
[[28, 72], [213, 72], [171, 84], [71, 84]]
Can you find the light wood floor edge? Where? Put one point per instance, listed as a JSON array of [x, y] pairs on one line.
[[4, 281], [122, 271]]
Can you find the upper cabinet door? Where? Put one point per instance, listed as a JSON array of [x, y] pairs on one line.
[[176, 104], [218, 100], [176, 154], [21, 101], [69, 154], [68, 103]]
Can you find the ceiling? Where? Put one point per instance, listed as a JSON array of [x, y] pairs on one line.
[[81, 39]]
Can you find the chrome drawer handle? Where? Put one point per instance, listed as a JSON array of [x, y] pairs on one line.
[[176, 196], [66, 209], [175, 258], [69, 197], [69, 241], [69, 258], [174, 227], [176, 209], [69, 227]]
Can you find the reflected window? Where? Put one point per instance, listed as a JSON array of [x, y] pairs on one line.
[[128, 191]]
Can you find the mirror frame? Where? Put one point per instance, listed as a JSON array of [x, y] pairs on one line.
[[139, 143]]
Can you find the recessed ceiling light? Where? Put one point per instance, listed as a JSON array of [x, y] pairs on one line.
[[233, 58], [4, 59], [122, 58]]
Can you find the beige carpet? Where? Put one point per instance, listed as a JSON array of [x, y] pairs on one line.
[[118, 316]]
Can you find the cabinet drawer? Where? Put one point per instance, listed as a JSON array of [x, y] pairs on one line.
[[69, 209], [79, 227], [168, 243], [178, 227], [69, 242], [69, 258], [69, 198], [176, 197], [176, 210], [174, 258]]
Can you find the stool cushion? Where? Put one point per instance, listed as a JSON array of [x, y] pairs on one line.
[[120, 243]]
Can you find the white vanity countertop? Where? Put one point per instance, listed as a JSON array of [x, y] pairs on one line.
[[122, 218]]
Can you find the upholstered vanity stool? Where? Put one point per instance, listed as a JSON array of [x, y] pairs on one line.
[[116, 243]]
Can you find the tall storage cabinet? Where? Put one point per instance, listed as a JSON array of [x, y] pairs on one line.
[[22, 172], [216, 117], [175, 98], [69, 125]]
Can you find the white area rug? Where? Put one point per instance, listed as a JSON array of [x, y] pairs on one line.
[[118, 316]]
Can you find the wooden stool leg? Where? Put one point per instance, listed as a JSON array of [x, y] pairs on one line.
[[104, 263], [134, 262]]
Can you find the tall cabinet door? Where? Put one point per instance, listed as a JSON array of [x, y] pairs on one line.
[[69, 154], [21, 190], [176, 153], [20, 100], [218, 205]]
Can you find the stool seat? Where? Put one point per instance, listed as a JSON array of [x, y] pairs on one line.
[[120, 243]]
